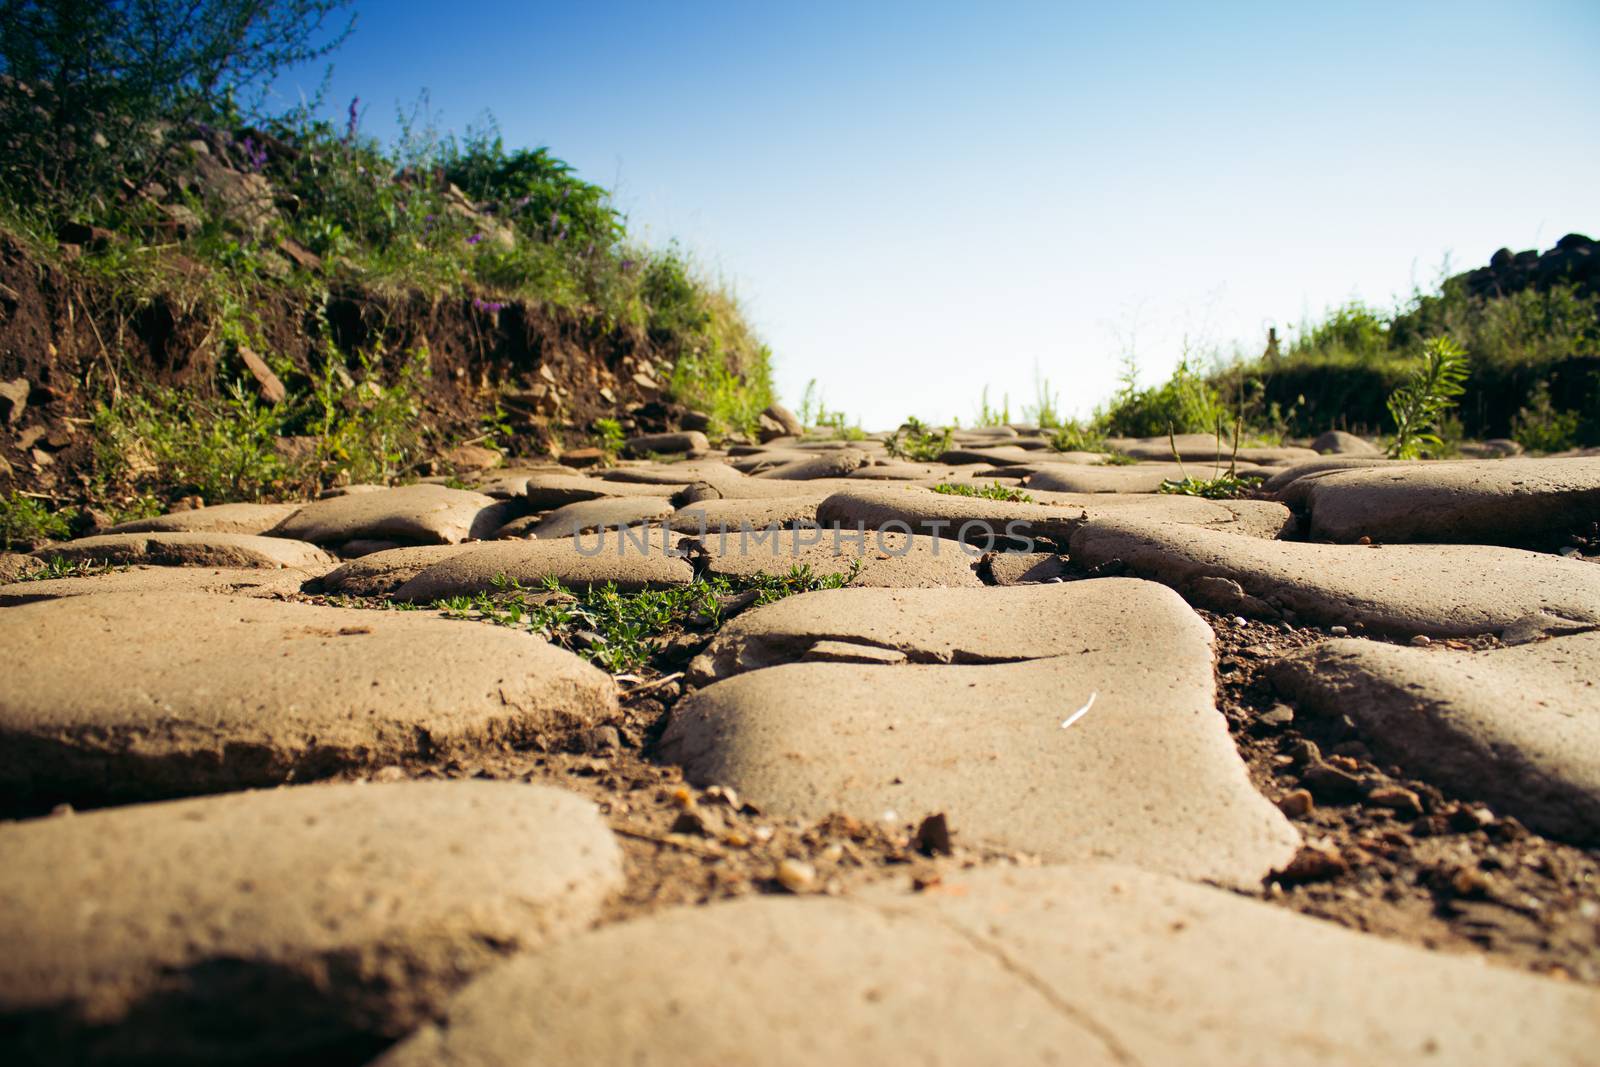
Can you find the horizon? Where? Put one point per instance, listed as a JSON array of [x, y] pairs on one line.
[[895, 193]]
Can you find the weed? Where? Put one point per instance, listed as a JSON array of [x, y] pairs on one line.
[[987, 492], [1185, 402], [1073, 436], [25, 522], [988, 416], [58, 567], [1539, 427], [1118, 459], [1418, 406], [609, 437], [918, 442], [623, 632], [1045, 411], [1222, 485]]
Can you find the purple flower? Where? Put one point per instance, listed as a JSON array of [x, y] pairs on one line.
[[474, 239], [255, 156], [353, 119], [491, 306]]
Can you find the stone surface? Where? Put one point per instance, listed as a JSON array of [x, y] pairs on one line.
[[750, 488], [834, 463], [543, 492], [1532, 502], [113, 694], [1090, 965], [631, 560], [608, 513], [1023, 568], [1130, 478], [1147, 776], [243, 581], [420, 514], [1337, 442], [1204, 447], [1438, 590], [224, 518], [383, 572], [1286, 482], [1516, 727], [473, 458], [892, 560], [1049, 519], [14, 565], [738, 514], [687, 441], [786, 419], [192, 550], [282, 925]]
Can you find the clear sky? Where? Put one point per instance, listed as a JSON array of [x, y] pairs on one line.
[[914, 200]]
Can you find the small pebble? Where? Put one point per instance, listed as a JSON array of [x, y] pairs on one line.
[[1421, 640], [1238, 620], [796, 876], [1338, 631], [1296, 804]]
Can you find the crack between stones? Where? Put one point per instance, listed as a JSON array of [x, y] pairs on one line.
[[1062, 1007]]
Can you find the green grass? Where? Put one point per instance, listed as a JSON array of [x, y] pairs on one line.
[[995, 491], [624, 632], [919, 443], [1225, 486], [26, 522], [57, 567]]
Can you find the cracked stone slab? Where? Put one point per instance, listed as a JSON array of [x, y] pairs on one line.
[[1526, 502], [1129, 478], [587, 516], [421, 514], [115, 695], [1516, 727], [1083, 965], [673, 474], [829, 464], [379, 573], [223, 518], [817, 489], [241, 581], [886, 559], [918, 510], [284, 925], [950, 626], [631, 560], [1400, 590], [1286, 483], [1148, 776], [745, 513], [192, 550], [543, 492]]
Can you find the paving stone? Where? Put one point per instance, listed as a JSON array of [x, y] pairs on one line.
[[687, 441], [1337, 442], [1516, 727], [281, 926], [901, 471], [380, 573], [817, 489], [1051, 519], [419, 514], [1023, 568], [114, 694], [546, 491], [1085, 964], [674, 474], [893, 560], [14, 565], [1130, 478], [1149, 775], [589, 515], [223, 518], [1286, 482], [949, 626], [465, 458], [834, 463], [1496, 502], [192, 550], [243, 581], [739, 514], [1403, 590], [1202, 447], [631, 560]]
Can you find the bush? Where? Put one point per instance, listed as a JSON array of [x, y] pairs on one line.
[[1539, 427], [24, 523], [1184, 403]]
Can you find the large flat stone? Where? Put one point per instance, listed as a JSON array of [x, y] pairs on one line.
[[280, 926], [224, 518], [885, 559], [949, 626], [1291, 483], [546, 491], [192, 550], [1204, 447], [629, 559], [1529, 502], [241, 581], [744, 513], [834, 463], [1130, 478], [589, 515], [161, 694], [817, 489], [423, 514], [1085, 965], [380, 573], [1438, 590], [1050, 519], [1516, 727], [1149, 775]]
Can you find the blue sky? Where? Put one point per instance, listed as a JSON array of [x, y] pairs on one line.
[[913, 200]]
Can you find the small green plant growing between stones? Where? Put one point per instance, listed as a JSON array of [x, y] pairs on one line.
[[987, 492], [25, 522], [1419, 406], [624, 632], [992, 416], [1222, 485], [918, 442], [609, 437], [60, 567], [1074, 436]]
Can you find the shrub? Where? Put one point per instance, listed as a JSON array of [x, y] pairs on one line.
[[1539, 427], [919, 443], [1184, 403], [1419, 406], [25, 522]]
